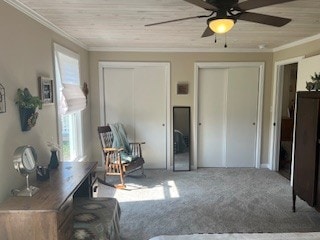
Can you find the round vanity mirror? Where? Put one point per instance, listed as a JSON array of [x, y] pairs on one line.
[[24, 161]]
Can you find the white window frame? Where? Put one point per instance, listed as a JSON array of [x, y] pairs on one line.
[[77, 119]]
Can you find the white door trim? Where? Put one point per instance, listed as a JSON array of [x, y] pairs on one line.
[[166, 65], [276, 111], [199, 65]]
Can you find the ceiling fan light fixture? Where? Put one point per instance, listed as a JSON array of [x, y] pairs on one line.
[[221, 25]]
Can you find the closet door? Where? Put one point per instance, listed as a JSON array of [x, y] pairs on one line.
[[241, 128], [211, 141], [150, 114], [227, 128], [136, 97], [118, 97]]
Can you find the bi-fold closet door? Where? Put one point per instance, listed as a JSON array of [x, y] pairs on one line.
[[227, 116], [136, 97]]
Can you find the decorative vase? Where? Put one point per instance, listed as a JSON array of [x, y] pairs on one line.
[[54, 163]]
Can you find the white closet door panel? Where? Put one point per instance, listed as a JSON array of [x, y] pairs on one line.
[[242, 95], [212, 83], [119, 96], [150, 114]]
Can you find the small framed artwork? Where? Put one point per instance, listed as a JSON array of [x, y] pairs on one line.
[[182, 88], [46, 90]]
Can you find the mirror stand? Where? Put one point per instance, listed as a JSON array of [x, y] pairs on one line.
[[24, 161], [29, 191]]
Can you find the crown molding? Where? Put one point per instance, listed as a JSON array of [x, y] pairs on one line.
[[206, 50], [297, 43], [37, 17]]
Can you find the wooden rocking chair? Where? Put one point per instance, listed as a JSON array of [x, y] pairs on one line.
[[115, 164]]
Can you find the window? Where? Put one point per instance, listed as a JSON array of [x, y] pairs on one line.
[[69, 113]]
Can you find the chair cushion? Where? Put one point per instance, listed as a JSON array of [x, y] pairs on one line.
[[125, 158]]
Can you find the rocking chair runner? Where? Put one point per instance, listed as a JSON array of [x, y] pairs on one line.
[[115, 163]]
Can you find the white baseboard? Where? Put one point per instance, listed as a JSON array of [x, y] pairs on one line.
[[265, 165]]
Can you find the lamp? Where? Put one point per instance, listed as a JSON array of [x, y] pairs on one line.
[[221, 25]]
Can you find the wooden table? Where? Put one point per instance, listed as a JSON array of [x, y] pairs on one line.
[[48, 214]]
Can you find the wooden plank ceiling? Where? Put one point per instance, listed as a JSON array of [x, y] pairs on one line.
[[120, 24]]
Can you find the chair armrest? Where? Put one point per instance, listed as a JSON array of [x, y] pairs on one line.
[[112, 156], [134, 143], [113, 149]]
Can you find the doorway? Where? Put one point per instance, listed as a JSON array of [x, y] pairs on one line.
[[277, 112], [289, 84]]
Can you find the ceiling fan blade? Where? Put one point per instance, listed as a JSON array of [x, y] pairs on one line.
[[251, 4], [174, 20], [202, 4], [169, 21], [263, 19], [208, 32]]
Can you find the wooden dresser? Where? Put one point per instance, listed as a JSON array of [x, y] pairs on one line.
[[306, 178], [48, 214]]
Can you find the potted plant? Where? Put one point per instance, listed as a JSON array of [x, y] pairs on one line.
[[315, 83], [28, 106]]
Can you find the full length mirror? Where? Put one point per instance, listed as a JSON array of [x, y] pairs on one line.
[[181, 138]]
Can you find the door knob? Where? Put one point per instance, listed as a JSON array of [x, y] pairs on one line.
[[253, 123]]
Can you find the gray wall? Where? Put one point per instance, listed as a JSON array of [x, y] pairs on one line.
[[26, 53]]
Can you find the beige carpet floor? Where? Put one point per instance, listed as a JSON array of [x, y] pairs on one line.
[[215, 200]]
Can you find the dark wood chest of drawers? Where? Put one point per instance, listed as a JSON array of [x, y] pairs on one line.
[[306, 178], [48, 214]]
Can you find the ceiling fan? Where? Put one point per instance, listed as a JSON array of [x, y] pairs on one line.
[[225, 13]]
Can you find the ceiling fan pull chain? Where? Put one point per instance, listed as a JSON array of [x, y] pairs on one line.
[[225, 41], [215, 38]]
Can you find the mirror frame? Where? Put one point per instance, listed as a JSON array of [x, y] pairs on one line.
[[19, 159], [24, 157], [189, 129]]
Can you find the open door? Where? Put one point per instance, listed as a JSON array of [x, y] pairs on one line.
[[289, 83]]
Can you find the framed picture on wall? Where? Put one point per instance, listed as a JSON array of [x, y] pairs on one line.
[[46, 90], [182, 88]]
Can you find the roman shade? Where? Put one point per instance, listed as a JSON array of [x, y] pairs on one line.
[[73, 99]]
